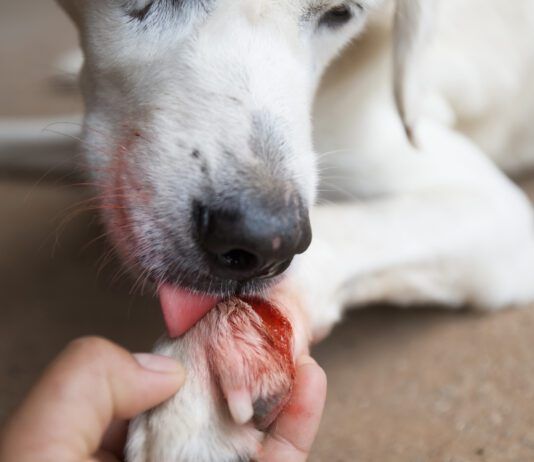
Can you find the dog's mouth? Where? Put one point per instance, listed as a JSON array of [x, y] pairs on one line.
[[182, 308], [186, 300]]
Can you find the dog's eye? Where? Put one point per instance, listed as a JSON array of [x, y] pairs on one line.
[[141, 10], [336, 17]]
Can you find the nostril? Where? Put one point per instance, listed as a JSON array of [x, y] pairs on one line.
[[241, 243], [276, 268], [238, 260]]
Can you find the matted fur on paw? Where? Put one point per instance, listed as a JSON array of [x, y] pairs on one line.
[[241, 371]]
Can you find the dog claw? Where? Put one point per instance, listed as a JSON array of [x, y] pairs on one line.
[[240, 405]]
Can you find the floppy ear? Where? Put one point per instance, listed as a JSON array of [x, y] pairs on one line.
[[413, 23]]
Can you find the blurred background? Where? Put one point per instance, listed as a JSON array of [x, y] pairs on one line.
[[405, 385]]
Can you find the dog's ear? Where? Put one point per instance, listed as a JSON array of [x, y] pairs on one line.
[[414, 20]]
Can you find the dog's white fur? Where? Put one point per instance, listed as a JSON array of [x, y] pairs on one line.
[[438, 222], [441, 223]]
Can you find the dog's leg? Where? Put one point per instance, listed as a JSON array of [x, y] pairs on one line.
[[458, 232], [240, 373]]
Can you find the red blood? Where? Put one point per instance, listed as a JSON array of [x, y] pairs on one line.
[[279, 330], [124, 192], [278, 333]]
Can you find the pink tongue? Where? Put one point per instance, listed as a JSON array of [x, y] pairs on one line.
[[183, 309]]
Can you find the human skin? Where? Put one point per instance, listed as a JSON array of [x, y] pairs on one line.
[[79, 408]]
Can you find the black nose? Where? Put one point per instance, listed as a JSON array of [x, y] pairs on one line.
[[252, 239]]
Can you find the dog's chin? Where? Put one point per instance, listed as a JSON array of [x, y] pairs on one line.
[[183, 305], [207, 284]]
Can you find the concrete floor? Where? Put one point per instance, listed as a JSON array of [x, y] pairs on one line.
[[405, 385]]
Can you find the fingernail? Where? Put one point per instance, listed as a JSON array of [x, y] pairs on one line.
[[305, 361], [157, 363]]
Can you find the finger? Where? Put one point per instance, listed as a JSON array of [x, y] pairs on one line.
[[296, 429], [91, 382], [102, 456], [115, 437]]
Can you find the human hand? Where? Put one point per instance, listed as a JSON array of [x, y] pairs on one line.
[[293, 434], [79, 408]]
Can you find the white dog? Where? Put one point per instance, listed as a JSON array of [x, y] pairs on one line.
[[198, 133]]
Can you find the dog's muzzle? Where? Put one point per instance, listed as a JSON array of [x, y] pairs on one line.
[[253, 237]]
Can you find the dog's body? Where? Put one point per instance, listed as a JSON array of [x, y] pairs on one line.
[[439, 223]]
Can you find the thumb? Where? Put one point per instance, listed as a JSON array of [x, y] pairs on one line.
[[91, 383]]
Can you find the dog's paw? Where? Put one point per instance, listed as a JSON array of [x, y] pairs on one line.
[[241, 371]]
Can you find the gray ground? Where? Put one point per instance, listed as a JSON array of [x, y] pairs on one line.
[[405, 386]]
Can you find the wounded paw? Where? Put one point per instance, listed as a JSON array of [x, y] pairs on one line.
[[241, 372]]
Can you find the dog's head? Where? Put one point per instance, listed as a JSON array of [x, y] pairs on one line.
[[198, 127]]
